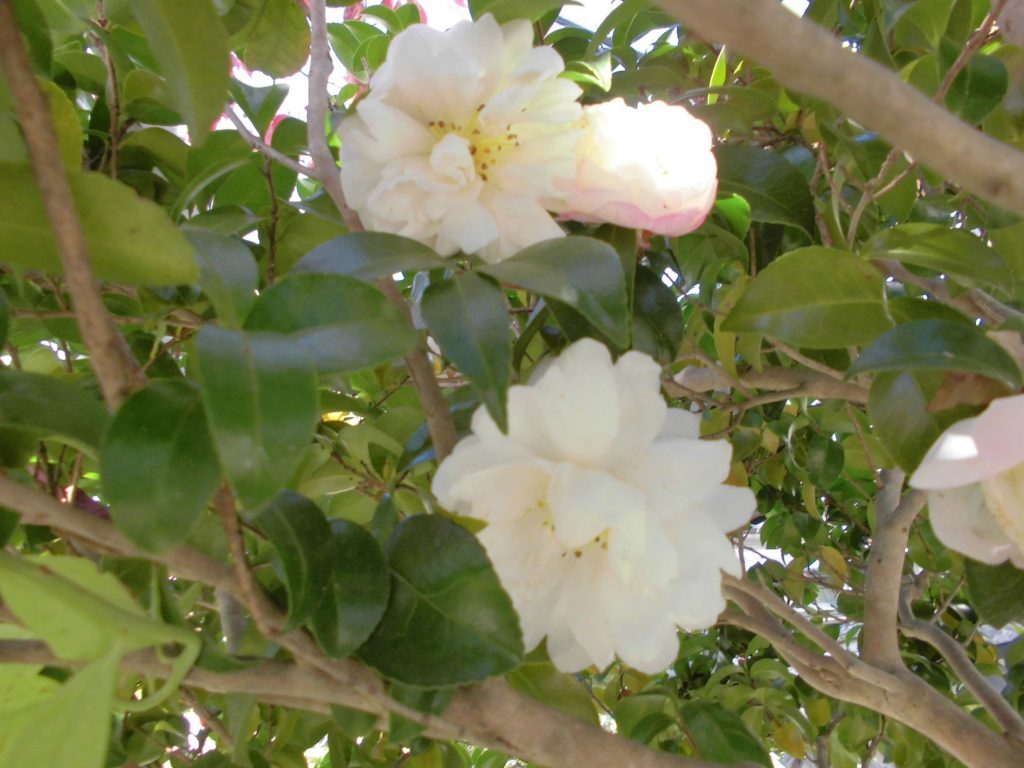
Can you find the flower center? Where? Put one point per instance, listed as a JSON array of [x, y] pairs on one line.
[[485, 146]]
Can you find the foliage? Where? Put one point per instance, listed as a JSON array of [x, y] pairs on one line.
[[839, 308]]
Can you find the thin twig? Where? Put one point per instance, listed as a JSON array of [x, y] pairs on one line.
[[325, 169], [435, 406], [116, 369], [262, 147]]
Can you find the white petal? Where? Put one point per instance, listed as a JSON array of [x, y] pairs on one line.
[[471, 455], [730, 507], [963, 523], [579, 401], [565, 652], [975, 448], [645, 637], [680, 423], [581, 607], [678, 473], [504, 492], [641, 407], [584, 502]]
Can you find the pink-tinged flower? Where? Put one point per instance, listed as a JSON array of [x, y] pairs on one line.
[[974, 475], [606, 513], [462, 134], [647, 167]]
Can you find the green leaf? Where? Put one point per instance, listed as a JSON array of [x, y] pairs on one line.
[[776, 190], [277, 40], [954, 252], [65, 122], [343, 324], [997, 591], [353, 723], [644, 716], [443, 585], [582, 272], [191, 50], [658, 327], [5, 318], [720, 735], [505, 11], [357, 592], [370, 256], [52, 407], [467, 316], [300, 534], [539, 679], [820, 298], [259, 390], [227, 274], [898, 407], [158, 466], [70, 726], [130, 239], [939, 344]]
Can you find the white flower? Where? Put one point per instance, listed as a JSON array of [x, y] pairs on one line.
[[606, 514], [974, 475], [648, 167], [460, 136]]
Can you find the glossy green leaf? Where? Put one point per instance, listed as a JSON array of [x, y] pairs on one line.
[[900, 416], [357, 592], [300, 534], [191, 51], [276, 41], [775, 190], [370, 256], [644, 716], [997, 591], [582, 272], [719, 734], [449, 621], [539, 679], [467, 316], [51, 407], [70, 726], [954, 252], [658, 326], [113, 218], [227, 274], [940, 344], [158, 464], [259, 390], [816, 297], [343, 323]]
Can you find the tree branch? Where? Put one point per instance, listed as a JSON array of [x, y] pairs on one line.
[[1000, 709], [262, 147], [325, 169], [801, 381], [805, 57], [880, 643], [491, 714], [116, 369]]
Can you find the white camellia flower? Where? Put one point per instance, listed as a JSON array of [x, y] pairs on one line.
[[974, 475], [606, 514], [461, 134], [647, 167]]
